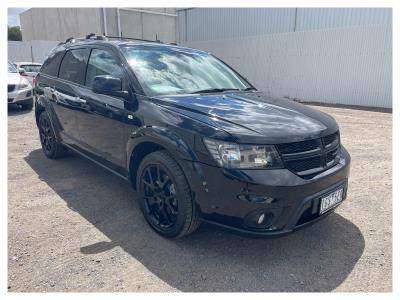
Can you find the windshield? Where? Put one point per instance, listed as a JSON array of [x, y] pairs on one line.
[[11, 68], [31, 68], [162, 70]]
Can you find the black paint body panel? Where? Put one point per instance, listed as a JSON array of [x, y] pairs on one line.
[[108, 129]]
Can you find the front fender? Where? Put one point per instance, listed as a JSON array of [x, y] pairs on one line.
[[175, 145], [39, 107], [42, 104], [163, 137]]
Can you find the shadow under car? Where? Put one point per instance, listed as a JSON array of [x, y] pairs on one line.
[[317, 258]]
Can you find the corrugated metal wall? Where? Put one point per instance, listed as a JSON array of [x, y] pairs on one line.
[[350, 66], [331, 55], [35, 51], [58, 24], [149, 26], [215, 23], [323, 18], [202, 24]]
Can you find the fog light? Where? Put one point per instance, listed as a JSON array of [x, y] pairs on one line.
[[260, 219]]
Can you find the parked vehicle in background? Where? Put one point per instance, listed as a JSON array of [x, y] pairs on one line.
[[194, 137], [19, 89], [30, 70]]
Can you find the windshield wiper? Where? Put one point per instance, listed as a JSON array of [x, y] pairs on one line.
[[251, 88], [214, 90]]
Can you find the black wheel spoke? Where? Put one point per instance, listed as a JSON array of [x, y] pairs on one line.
[[46, 136], [161, 204], [42, 136], [148, 184], [172, 209], [158, 176], [150, 200], [150, 177], [165, 215], [164, 182]]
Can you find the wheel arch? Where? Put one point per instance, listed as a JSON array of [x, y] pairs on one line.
[[39, 108], [137, 155], [149, 139]]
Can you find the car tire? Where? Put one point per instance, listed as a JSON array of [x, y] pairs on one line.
[[51, 148], [165, 197]]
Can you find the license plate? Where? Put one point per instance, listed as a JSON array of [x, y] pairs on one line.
[[330, 201]]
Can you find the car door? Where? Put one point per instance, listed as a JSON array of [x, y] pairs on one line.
[[101, 125], [66, 95]]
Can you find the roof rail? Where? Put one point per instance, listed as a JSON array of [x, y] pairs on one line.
[[133, 39], [90, 36], [93, 36]]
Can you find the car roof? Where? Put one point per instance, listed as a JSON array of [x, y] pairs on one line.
[[118, 43]]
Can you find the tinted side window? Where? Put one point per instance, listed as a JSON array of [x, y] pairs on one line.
[[102, 62], [51, 64], [73, 66]]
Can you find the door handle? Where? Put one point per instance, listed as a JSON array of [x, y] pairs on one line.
[[80, 100], [53, 94]]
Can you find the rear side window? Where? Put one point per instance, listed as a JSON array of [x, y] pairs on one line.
[[73, 66], [51, 64], [102, 62]]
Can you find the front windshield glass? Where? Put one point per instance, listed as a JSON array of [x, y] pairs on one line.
[[171, 70], [12, 68]]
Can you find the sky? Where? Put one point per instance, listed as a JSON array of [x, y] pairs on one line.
[[13, 15]]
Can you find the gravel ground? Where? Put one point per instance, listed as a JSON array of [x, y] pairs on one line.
[[74, 227]]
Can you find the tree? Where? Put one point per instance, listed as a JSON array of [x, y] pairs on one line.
[[14, 33]]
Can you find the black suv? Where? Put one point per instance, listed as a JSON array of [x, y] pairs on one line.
[[197, 141]]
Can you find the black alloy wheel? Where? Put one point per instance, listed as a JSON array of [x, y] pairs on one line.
[[166, 200], [161, 203], [51, 148], [46, 135]]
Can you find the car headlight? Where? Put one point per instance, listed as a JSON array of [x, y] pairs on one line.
[[240, 156]]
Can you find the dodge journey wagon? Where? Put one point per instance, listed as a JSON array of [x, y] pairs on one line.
[[197, 141]]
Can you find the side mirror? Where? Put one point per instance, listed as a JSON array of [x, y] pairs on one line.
[[21, 71], [108, 85]]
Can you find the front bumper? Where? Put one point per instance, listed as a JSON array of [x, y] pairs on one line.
[[22, 96], [231, 198]]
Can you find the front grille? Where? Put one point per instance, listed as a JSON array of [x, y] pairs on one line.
[[305, 164], [307, 158], [331, 139], [298, 147], [11, 87], [331, 156]]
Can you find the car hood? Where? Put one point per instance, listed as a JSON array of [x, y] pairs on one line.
[[15, 78], [254, 116]]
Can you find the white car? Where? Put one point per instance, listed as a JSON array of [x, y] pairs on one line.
[[30, 70], [19, 89]]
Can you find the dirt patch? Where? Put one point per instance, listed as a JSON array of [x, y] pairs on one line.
[[74, 226]]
